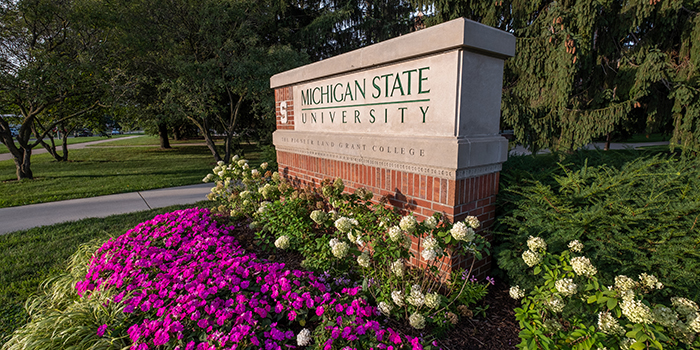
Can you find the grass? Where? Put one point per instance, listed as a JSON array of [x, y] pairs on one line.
[[146, 140], [101, 171], [29, 257], [71, 141]]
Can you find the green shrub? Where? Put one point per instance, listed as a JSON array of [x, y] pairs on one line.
[[633, 216], [570, 309]]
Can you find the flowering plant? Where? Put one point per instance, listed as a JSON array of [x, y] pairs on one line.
[[180, 281], [240, 188], [570, 309]]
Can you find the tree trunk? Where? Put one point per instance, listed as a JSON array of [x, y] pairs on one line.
[[23, 165], [64, 145], [163, 133], [176, 134], [607, 142], [204, 129]]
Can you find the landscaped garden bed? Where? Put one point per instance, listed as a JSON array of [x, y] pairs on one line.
[[280, 267]]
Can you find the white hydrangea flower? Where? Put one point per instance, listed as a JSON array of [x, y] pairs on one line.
[[552, 325], [536, 244], [235, 158], [276, 176], [473, 221], [408, 223], [245, 166], [461, 232], [583, 267], [255, 173], [282, 242], [516, 293], [397, 297], [359, 241], [576, 246], [626, 344], [432, 300], [385, 308], [304, 337], [395, 233], [352, 237], [684, 306], [319, 216], [626, 294], [333, 215], [397, 268], [221, 173], [694, 323], [430, 222], [624, 283], [430, 242], [263, 207], [242, 162], [650, 281], [566, 286], [263, 166], [555, 303], [531, 258], [340, 250], [428, 254], [608, 324], [344, 224], [665, 316], [363, 260], [333, 242], [636, 311], [245, 195], [417, 321], [208, 178], [416, 298]]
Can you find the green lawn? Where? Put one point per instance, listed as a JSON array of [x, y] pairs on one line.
[[147, 140], [28, 257], [100, 171], [71, 141]]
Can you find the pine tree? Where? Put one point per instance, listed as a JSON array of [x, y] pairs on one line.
[[585, 69]]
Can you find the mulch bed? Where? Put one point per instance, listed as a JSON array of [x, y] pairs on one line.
[[498, 330]]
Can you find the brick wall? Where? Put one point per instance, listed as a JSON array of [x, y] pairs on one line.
[[421, 194]]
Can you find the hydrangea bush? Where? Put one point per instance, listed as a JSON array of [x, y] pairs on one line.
[[570, 309], [350, 235], [181, 281]]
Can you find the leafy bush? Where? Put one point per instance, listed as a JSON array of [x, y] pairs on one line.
[[633, 217], [570, 309], [349, 235], [180, 281]]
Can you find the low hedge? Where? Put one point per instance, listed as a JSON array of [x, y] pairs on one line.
[[634, 212]]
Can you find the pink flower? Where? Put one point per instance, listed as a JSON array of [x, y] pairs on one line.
[[101, 330]]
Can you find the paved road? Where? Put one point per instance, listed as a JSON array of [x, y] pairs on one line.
[[40, 150], [34, 215]]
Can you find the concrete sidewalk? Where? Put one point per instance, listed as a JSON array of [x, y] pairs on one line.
[[34, 215], [40, 150], [521, 150]]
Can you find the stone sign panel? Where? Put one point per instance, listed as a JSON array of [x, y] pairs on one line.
[[415, 118]]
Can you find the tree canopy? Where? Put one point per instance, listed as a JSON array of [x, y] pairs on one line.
[[585, 69]]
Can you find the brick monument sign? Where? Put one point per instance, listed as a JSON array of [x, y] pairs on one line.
[[415, 118]]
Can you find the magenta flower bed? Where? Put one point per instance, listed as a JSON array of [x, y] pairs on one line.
[[187, 284]]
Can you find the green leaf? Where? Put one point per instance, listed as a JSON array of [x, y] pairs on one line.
[[537, 270], [612, 302]]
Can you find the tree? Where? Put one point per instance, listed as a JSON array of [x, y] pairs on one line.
[[584, 69], [47, 56]]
